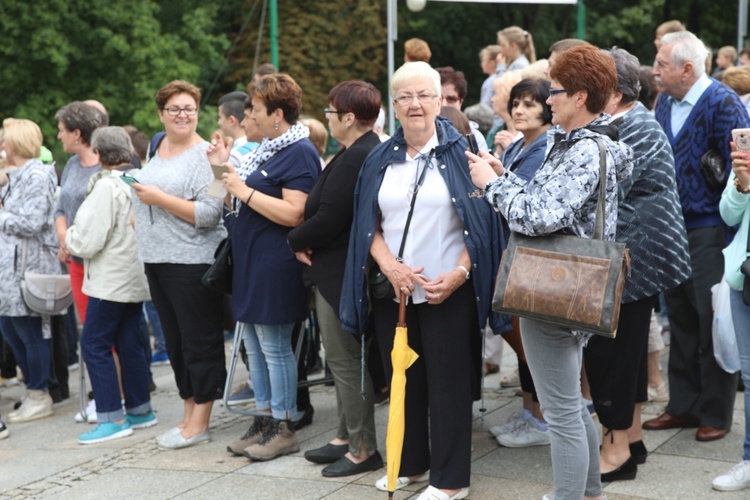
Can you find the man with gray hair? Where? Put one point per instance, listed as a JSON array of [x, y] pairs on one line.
[[698, 114]]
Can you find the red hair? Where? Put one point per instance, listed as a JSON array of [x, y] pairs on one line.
[[587, 69]]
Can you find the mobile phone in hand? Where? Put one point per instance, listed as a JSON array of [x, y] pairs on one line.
[[473, 146], [129, 180]]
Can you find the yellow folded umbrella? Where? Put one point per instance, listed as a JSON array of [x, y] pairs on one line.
[[402, 357]]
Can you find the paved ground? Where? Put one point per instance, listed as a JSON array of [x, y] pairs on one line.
[[43, 459]]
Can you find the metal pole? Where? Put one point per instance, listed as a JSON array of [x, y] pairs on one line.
[[274, 19], [392, 37], [741, 24], [581, 20]]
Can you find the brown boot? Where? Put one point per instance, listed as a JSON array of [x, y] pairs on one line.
[[279, 439], [251, 437]]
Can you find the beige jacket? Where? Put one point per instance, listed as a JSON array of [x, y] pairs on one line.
[[104, 238]]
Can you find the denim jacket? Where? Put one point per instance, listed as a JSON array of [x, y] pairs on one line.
[[483, 234]]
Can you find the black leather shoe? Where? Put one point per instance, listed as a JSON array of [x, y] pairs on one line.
[[327, 454], [639, 452], [624, 472], [305, 420], [345, 467]]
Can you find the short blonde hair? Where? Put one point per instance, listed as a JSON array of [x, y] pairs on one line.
[[318, 134], [672, 26], [23, 137], [737, 79]]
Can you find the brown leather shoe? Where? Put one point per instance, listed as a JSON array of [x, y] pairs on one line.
[[667, 421], [706, 433]]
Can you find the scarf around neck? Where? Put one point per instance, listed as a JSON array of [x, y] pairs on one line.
[[269, 147]]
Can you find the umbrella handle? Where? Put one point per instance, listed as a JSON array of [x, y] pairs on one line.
[[401, 308]]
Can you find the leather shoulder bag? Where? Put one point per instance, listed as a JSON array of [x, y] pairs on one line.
[[565, 279]]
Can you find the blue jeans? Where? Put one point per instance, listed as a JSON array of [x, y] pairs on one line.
[[115, 324], [554, 356], [31, 350], [273, 368], [741, 320]]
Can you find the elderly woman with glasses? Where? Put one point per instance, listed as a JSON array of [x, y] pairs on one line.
[[321, 243], [179, 227], [449, 290], [562, 197]]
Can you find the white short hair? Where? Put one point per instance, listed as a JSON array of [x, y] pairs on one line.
[[414, 71], [687, 47]]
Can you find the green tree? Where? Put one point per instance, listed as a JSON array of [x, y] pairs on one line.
[[320, 45], [115, 51]]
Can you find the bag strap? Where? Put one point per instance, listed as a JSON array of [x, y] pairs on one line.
[[413, 200], [600, 209]]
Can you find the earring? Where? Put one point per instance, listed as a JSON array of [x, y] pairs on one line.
[[277, 126]]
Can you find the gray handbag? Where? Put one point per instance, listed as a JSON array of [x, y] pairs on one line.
[[46, 294]]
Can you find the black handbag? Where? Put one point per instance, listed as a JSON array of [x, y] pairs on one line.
[[714, 169], [380, 286], [218, 277], [565, 279]]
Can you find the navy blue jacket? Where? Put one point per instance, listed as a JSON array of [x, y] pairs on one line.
[[483, 234]]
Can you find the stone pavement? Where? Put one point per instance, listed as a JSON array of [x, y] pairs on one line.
[[42, 459]]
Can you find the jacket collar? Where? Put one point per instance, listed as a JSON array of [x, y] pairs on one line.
[[396, 149]]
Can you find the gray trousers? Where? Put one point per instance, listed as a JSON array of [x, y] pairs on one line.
[[344, 358], [554, 356], [698, 387]]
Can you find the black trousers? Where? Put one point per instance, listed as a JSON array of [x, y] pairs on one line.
[[191, 317], [439, 386], [698, 387], [617, 368]]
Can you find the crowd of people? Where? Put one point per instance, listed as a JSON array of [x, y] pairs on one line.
[[419, 217]]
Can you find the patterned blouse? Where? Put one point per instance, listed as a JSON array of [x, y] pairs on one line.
[[562, 195]]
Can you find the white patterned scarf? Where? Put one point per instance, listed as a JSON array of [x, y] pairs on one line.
[[269, 147]]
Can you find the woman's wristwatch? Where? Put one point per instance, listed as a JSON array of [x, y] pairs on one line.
[[466, 271]]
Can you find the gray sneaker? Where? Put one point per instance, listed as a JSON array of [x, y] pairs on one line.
[[279, 439], [252, 436]]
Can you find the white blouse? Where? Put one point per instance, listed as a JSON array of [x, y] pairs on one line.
[[435, 238]]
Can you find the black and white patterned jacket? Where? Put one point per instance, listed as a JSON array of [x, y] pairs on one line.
[[562, 195]]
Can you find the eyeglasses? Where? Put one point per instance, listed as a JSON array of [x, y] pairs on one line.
[[405, 100], [452, 99], [329, 111], [175, 111], [553, 93]]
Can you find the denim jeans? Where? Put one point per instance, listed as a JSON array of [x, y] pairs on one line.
[[115, 324], [273, 368], [741, 320], [554, 356], [31, 350]]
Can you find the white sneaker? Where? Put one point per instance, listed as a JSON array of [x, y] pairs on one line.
[[514, 421], [89, 415], [526, 434], [37, 404], [382, 483], [738, 478], [432, 493]]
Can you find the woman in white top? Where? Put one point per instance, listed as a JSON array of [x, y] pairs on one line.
[[517, 46]]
